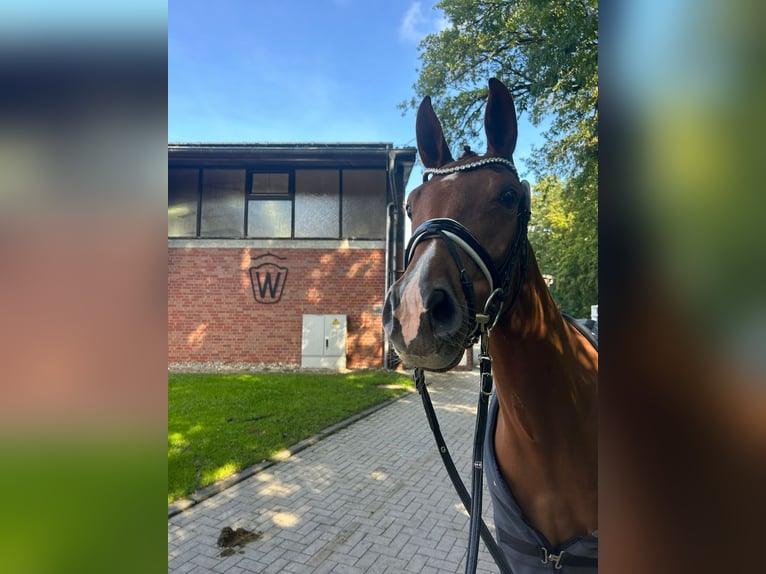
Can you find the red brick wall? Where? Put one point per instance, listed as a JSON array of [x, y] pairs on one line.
[[213, 316]]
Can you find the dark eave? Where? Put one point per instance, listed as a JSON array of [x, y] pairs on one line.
[[276, 154]]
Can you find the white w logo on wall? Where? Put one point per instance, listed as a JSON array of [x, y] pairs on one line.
[[268, 279]]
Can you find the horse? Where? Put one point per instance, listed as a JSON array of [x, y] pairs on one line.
[[470, 271]]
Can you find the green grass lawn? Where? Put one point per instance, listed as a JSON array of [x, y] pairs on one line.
[[219, 424]]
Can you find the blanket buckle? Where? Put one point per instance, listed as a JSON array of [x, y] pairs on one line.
[[550, 558]]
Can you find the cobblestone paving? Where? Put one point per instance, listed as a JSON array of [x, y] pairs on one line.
[[373, 497]]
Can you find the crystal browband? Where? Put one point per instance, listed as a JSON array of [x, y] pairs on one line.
[[468, 166]]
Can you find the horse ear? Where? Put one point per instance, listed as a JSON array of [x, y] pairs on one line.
[[432, 147], [500, 121]]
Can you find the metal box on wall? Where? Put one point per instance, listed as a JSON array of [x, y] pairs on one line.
[[323, 343]]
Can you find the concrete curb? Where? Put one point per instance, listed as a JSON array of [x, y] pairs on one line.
[[195, 498]]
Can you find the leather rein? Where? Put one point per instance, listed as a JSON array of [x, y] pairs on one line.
[[503, 295]]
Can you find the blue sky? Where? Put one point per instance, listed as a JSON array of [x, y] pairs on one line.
[[299, 71]]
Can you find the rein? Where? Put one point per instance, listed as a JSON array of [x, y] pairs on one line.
[[500, 281], [473, 502]]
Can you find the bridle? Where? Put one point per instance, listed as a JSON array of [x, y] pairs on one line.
[[501, 283], [500, 280]]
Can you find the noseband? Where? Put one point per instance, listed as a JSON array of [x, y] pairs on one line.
[[453, 233]]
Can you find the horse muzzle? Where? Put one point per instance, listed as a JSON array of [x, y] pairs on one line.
[[426, 323]]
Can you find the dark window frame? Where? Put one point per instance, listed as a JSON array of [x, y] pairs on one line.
[[248, 196]]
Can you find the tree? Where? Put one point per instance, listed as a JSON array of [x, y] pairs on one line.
[[546, 52], [563, 247]]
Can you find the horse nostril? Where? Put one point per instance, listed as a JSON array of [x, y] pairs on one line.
[[442, 309]]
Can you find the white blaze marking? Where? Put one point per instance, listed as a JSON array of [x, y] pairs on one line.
[[450, 177], [411, 305]]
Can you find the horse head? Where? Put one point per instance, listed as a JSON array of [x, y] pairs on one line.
[[468, 251]]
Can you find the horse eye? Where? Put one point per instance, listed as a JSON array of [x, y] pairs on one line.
[[408, 208], [508, 198]]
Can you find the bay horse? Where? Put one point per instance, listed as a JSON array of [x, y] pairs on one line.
[[470, 271]]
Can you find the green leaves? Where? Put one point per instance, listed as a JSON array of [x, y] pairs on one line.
[[569, 239]]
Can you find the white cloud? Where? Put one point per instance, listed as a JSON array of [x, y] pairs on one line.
[[416, 23], [413, 18]]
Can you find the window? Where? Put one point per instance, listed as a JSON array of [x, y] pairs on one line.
[[222, 203], [270, 184], [364, 203], [269, 205], [183, 195], [269, 218], [317, 205]]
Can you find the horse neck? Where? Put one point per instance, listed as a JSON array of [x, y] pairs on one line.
[[546, 432], [543, 368]]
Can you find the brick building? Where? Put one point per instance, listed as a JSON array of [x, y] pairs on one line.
[[263, 239]]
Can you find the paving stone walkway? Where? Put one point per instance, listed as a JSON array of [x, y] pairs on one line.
[[373, 497]]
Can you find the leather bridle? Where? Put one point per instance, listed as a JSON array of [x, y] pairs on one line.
[[503, 294], [500, 280]]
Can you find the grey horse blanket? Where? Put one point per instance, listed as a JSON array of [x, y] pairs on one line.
[[527, 549]]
